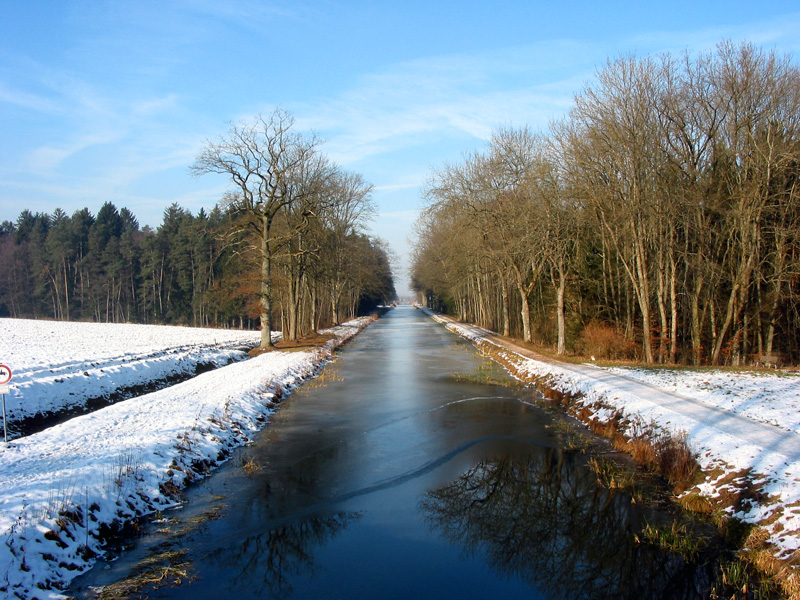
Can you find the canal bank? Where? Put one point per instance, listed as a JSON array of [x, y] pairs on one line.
[[741, 428], [411, 466], [72, 489]]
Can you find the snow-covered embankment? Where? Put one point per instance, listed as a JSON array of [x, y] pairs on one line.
[[59, 366], [744, 426], [66, 489]]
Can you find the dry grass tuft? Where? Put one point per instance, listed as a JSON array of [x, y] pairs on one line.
[[167, 568], [325, 377], [676, 460], [250, 465], [611, 474], [677, 538], [694, 502], [664, 453], [781, 573]]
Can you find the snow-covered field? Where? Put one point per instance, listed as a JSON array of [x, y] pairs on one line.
[[58, 365], [737, 422], [67, 487]]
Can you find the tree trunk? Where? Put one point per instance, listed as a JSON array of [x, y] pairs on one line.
[[673, 302], [526, 314], [562, 321], [506, 315], [734, 306], [266, 287]]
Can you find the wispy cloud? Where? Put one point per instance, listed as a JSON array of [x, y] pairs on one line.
[[469, 95], [250, 13], [783, 33], [415, 104], [406, 216], [138, 125], [45, 160], [395, 186], [27, 100], [107, 146], [465, 95]]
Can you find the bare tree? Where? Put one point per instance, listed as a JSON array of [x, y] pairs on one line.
[[668, 199], [758, 144], [613, 155], [272, 169], [350, 208]]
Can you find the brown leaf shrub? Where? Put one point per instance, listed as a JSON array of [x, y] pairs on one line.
[[601, 340]]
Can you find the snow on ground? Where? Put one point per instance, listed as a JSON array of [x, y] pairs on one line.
[[66, 488], [772, 398], [60, 365], [737, 421]]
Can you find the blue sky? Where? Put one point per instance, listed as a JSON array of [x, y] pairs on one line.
[[111, 100]]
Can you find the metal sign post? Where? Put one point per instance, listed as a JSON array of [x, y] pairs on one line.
[[5, 429], [5, 377]]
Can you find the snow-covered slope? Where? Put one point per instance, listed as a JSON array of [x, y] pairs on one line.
[[60, 365], [69, 486]]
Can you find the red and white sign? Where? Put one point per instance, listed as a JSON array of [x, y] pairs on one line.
[[5, 374]]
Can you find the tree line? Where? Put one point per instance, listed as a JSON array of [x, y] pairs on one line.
[[659, 220], [300, 216], [203, 269]]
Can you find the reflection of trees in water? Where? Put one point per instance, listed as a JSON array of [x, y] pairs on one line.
[[548, 522], [275, 556]]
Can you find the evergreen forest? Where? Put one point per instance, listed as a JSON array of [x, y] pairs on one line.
[[197, 270]]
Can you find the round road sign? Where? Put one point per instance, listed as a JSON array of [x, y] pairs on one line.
[[5, 374]]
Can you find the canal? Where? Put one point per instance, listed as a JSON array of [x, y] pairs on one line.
[[412, 467]]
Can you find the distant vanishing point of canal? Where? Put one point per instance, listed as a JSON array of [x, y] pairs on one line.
[[401, 473]]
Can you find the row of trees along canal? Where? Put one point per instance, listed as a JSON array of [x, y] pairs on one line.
[[659, 219], [290, 206]]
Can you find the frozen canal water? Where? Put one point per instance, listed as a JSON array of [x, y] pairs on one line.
[[400, 474]]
